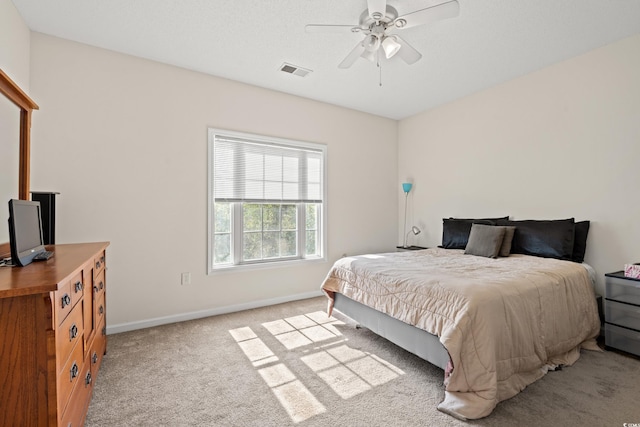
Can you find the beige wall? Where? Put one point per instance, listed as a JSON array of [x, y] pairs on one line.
[[124, 140], [561, 142], [14, 45], [14, 62]]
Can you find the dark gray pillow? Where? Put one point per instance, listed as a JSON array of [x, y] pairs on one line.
[[485, 240], [509, 231], [580, 241], [455, 231], [543, 238]]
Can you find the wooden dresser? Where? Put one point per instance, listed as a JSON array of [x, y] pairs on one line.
[[52, 336]]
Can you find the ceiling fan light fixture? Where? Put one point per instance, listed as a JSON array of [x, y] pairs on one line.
[[400, 23], [390, 46], [369, 55], [371, 43]]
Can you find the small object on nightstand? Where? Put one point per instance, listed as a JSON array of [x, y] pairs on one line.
[[632, 270], [622, 312], [410, 248]]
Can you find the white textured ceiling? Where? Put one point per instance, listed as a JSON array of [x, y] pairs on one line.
[[492, 41]]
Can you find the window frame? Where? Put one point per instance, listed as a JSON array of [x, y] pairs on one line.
[[236, 226]]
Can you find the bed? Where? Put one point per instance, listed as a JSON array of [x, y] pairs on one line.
[[495, 324]]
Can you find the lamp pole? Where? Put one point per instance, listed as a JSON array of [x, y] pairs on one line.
[[406, 187]]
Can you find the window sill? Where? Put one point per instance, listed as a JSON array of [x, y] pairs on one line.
[[264, 265]]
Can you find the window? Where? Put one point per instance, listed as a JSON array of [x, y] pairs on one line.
[[266, 200]]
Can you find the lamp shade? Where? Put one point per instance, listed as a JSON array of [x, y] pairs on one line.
[[406, 186], [390, 46], [369, 55], [371, 43]]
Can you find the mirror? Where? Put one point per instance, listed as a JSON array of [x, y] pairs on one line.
[[17, 146], [9, 160]]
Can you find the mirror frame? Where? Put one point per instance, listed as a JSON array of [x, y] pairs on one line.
[[16, 95]]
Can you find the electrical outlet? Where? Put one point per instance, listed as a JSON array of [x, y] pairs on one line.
[[185, 279]]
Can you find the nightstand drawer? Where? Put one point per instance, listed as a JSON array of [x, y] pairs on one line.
[[622, 314], [623, 290], [622, 339]]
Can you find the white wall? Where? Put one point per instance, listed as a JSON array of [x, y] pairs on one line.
[[14, 45], [561, 142], [124, 140], [14, 62]]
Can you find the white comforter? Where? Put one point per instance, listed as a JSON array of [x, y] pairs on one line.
[[504, 321]]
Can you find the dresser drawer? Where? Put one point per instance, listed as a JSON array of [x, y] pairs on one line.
[[622, 338], [623, 290], [622, 314], [98, 349], [101, 308], [69, 333], [69, 376], [99, 262], [99, 284], [63, 302], [76, 288], [75, 412]]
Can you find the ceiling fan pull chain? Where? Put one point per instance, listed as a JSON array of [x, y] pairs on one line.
[[379, 70]]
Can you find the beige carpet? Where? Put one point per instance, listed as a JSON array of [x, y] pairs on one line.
[[289, 365]]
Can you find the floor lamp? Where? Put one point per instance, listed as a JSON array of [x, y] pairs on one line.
[[406, 187]]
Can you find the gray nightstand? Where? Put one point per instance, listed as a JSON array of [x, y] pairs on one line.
[[409, 248], [622, 312]]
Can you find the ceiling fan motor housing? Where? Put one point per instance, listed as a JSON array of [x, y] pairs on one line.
[[367, 21]]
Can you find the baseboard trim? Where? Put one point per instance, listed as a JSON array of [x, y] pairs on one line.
[[157, 321]]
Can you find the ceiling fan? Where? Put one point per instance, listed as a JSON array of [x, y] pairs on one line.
[[378, 20]]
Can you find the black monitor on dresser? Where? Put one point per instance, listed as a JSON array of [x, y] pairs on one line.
[[25, 231]]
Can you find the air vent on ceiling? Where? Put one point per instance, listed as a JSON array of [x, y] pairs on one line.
[[294, 69]]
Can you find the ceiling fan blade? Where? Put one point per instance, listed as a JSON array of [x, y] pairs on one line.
[[322, 28], [407, 52], [448, 9], [377, 8], [353, 55]]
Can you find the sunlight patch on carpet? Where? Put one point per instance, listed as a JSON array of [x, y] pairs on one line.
[[350, 372], [254, 348], [323, 349], [294, 397], [298, 401]]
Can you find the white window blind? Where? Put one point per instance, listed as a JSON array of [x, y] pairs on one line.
[[255, 171]]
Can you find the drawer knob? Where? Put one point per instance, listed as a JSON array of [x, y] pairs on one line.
[[94, 358], [101, 285], [87, 379], [101, 310], [73, 332], [98, 264], [79, 286], [66, 300], [73, 371], [104, 330]]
